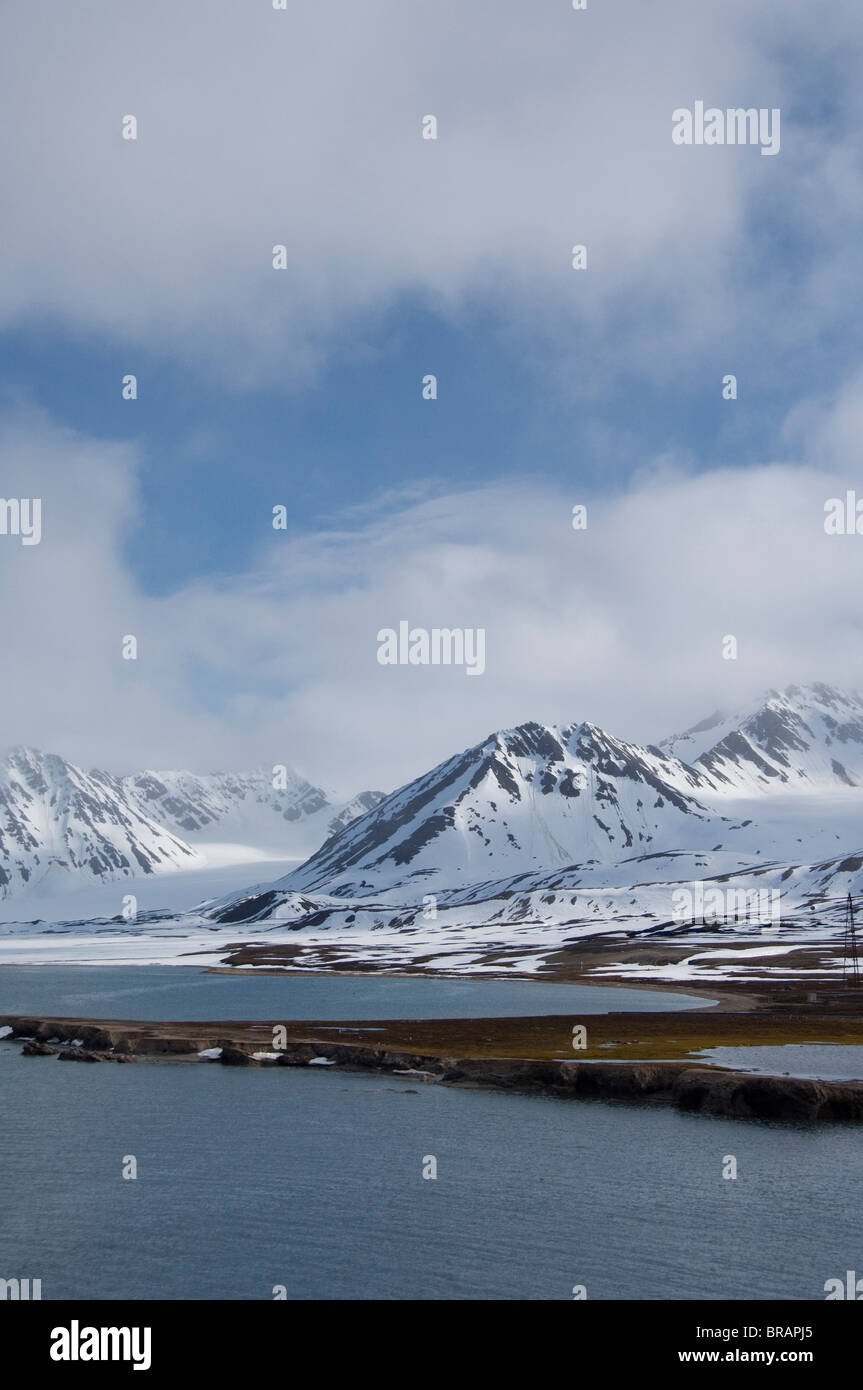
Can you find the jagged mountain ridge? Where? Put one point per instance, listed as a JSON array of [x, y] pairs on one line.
[[189, 802], [194, 803], [529, 799], [524, 799], [57, 819], [62, 825], [800, 739]]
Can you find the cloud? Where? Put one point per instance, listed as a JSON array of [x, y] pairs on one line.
[[621, 623], [302, 127], [829, 427]]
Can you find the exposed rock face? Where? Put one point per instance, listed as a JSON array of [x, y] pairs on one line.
[[766, 1097], [87, 1034], [150, 1044], [235, 1057], [615, 1080], [38, 1049], [93, 1044]]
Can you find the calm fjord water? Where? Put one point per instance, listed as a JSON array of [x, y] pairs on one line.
[[182, 992], [312, 1179]]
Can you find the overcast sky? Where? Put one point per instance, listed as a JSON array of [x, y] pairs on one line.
[[405, 257]]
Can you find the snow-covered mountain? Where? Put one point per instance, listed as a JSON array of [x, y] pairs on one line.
[[518, 852], [59, 822], [189, 802], [537, 825], [524, 799], [805, 739], [62, 827], [292, 820], [577, 803]]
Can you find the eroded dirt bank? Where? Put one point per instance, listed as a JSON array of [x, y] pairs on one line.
[[524, 1054]]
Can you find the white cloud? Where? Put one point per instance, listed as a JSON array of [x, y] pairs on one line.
[[302, 127], [621, 624]]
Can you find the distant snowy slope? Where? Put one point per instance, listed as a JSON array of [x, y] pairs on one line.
[[245, 808], [805, 738], [190, 802], [62, 829], [57, 821]]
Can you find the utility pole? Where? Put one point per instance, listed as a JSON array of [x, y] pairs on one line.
[[851, 963]]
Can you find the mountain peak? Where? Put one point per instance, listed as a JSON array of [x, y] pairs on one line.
[[62, 824], [802, 737], [59, 820], [523, 799]]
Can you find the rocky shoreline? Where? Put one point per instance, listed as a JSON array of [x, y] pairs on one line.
[[687, 1087]]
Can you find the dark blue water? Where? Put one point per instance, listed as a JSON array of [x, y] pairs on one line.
[[312, 1179], [180, 992], [248, 1179]]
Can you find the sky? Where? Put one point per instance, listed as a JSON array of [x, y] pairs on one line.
[[302, 387]]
